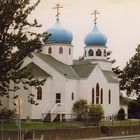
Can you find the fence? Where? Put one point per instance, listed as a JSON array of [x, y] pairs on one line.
[[71, 121]]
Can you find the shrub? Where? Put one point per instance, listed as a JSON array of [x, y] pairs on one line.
[[96, 113], [80, 107], [121, 114], [7, 113]]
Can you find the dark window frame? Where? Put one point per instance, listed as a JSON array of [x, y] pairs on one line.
[[39, 93]]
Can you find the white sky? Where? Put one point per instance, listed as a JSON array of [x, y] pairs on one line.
[[119, 21]]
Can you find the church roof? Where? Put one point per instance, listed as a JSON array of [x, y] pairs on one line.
[[59, 66], [79, 69], [34, 70], [83, 69], [58, 34], [110, 76]]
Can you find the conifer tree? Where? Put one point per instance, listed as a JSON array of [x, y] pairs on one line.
[[17, 41], [130, 77]]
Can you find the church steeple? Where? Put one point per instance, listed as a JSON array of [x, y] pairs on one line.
[[58, 44], [95, 42]]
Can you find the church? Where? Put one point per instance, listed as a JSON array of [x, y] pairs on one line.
[[68, 80]]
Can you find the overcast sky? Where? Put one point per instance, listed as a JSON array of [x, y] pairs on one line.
[[119, 21]]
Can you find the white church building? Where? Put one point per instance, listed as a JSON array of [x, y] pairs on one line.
[[68, 80]]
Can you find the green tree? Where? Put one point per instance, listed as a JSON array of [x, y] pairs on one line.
[[130, 77], [80, 107], [7, 114], [96, 113], [17, 41]]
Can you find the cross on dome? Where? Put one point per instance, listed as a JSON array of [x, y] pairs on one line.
[[95, 15], [58, 6]]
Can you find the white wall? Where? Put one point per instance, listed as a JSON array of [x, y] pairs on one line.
[[65, 57], [85, 91], [94, 49], [57, 85], [36, 110], [71, 87]]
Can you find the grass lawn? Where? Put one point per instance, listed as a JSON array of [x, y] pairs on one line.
[[10, 126]]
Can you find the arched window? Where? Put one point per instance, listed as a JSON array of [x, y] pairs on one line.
[[109, 97], [104, 53], [101, 101], [97, 93], [60, 50], [92, 95], [49, 50], [72, 96], [39, 93], [85, 53], [90, 53], [98, 52], [69, 51]]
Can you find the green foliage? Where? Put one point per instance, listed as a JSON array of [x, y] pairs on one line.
[[121, 114], [17, 41], [80, 107], [96, 113], [7, 114], [130, 77]]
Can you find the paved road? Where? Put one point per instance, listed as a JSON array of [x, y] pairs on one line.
[[134, 137]]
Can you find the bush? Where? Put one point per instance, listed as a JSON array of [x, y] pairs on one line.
[[121, 114], [80, 107], [7, 114], [96, 113]]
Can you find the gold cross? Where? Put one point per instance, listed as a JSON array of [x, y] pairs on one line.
[[95, 15], [57, 10]]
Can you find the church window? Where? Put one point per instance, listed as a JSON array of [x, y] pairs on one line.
[[60, 50], [72, 96], [109, 97], [58, 98], [92, 95], [39, 93], [90, 53], [104, 53], [69, 51], [98, 52], [97, 93], [49, 50], [85, 53], [101, 96]]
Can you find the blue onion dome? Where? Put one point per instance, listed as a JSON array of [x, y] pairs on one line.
[[58, 34], [95, 38]]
